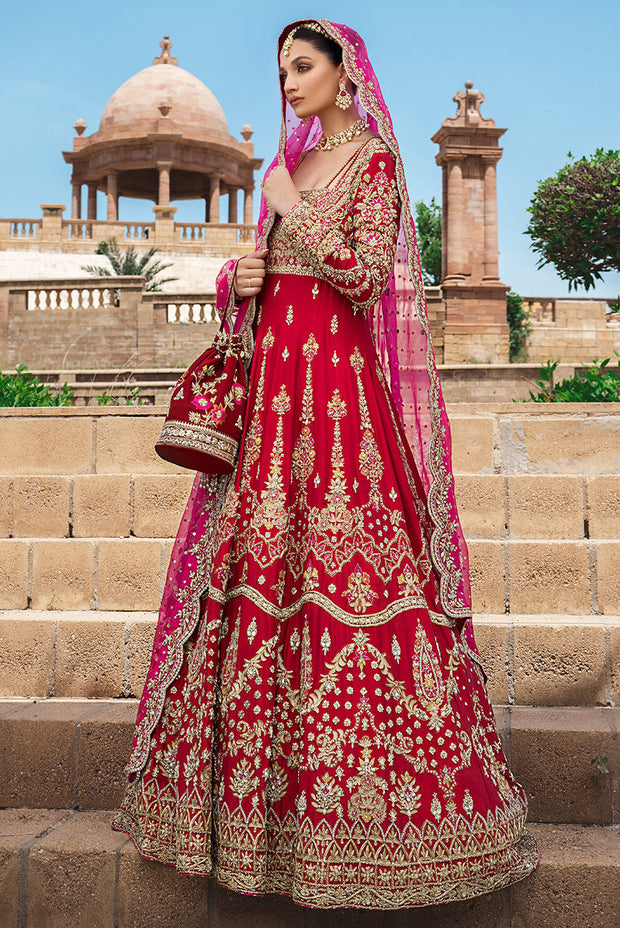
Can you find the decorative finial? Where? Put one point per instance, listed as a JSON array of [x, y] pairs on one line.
[[165, 57], [80, 126], [247, 132]]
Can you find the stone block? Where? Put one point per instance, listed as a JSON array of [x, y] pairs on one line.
[[576, 883], [579, 445], [154, 896], [614, 663], [72, 874], [101, 506], [37, 755], [472, 444], [608, 574], [542, 506], [549, 576], [126, 445], [89, 657], [480, 500], [104, 746], [62, 574], [140, 647], [159, 502], [25, 656], [41, 507], [486, 566], [5, 506], [554, 753], [46, 444], [491, 638], [229, 909], [560, 664], [604, 506], [17, 828], [13, 574], [129, 574]]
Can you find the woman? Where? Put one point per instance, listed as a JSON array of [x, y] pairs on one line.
[[315, 721]]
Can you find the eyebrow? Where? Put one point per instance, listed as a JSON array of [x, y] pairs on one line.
[[295, 60]]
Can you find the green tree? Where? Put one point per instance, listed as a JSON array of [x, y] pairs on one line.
[[575, 219], [520, 326], [428, 229], [128, 263]]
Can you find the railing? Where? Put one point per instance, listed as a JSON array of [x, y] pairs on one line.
[[72, 298], [78, 229], [139, 231], [540, 309], [186, 312], [25, 228], [191, 231]]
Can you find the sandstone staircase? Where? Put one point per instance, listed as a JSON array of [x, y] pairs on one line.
[[87, 512]]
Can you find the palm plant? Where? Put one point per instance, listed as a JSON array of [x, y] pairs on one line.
[[128, 263]]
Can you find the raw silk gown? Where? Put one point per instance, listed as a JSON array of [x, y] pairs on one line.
[[329, 735]]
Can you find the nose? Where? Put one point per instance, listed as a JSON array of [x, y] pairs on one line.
[[290, 84]]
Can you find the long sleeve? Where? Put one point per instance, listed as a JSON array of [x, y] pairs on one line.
[[359, 260]]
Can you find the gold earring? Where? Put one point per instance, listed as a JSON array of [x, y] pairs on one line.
[[343, 97]]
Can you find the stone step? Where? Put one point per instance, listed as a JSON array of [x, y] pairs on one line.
[[111, 574], [539, 660], [70, 754], [508, 438], [491, 506], [69, 868]]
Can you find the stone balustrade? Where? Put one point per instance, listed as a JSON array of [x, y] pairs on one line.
[[85, 234]]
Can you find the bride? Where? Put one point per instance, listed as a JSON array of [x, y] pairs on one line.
[[315, 720]]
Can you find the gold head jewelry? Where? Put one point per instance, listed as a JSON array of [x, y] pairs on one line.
[[286, 45]]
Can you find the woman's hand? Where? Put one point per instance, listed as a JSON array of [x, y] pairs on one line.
[[250, 274], [280, 191]]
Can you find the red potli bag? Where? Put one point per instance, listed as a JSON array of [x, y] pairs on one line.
[[204, 422]]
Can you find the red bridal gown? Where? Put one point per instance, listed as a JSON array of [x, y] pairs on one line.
[[329, 735]]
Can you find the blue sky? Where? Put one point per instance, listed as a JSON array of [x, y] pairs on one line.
[[548, 68]]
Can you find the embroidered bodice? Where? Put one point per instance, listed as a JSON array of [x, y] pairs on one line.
[[344, 234]]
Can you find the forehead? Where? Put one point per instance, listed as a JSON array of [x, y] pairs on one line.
[[300, 47]]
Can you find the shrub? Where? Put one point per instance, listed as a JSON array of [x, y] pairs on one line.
[[596, 384], [24, 389]]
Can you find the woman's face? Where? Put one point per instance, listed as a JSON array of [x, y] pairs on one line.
[[309, 79]]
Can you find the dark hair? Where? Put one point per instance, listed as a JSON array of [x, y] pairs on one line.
[[324, 44]]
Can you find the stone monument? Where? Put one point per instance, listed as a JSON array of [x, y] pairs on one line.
[[476, 328]]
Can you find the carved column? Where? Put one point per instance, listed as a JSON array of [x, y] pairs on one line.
[[112, 191], [92, 201], [476, 328], [163, 197], [232, 204], [76, 200], [214, 200], [491, 270], [455, 209], [248, 206]]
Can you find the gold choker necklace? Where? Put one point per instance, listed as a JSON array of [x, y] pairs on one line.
[[327, 142]]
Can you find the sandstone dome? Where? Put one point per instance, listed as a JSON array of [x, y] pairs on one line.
[[164, 90]]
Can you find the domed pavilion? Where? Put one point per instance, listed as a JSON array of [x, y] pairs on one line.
[[163, 136]]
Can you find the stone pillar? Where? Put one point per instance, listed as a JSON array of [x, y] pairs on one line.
[[92, 201], [165, 232], [232, 204], [214, 199], [455, 215], [248, 207], [476, 329], [491, 269], [112, 191], [163, 198], [76, 200]]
